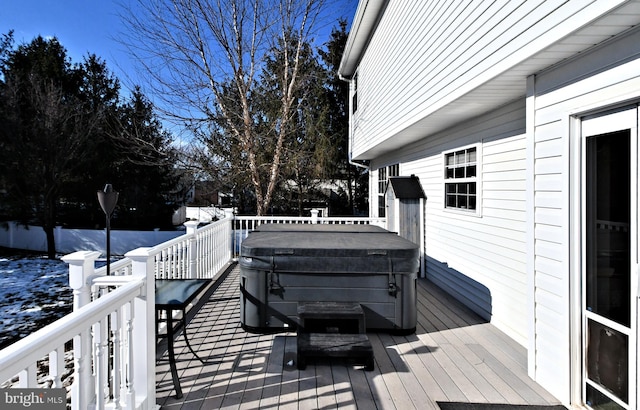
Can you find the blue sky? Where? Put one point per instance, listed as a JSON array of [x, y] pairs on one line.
[[81, 27], [91, 26]]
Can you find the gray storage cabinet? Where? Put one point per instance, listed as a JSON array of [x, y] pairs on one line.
[[281, 265]]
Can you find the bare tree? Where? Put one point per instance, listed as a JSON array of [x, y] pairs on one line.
[[192, 50]]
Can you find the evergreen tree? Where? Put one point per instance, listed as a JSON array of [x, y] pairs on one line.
[[337, 106], [49, 122], [148, 180], [65, 133]]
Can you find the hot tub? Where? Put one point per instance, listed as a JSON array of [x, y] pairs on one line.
[[283, 264]]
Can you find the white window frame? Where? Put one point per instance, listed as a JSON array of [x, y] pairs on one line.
[[459, 172], [383, 181]]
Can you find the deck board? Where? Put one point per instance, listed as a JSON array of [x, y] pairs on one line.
[[454, 356]]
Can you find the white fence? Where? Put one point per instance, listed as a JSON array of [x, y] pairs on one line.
[[112, 328], [33, 238]]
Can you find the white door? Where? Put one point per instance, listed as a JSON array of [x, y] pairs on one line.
[[609, 252]]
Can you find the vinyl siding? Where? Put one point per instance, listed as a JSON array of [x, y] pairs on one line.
[[480, 259], [426, 54], [606, 76]]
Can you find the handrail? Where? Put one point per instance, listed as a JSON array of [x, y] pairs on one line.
[[38, 344]]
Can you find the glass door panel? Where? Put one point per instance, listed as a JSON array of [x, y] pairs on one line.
[[608, 218], [609, 226]]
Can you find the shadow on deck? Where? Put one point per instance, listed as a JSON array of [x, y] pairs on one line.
[[454, 356]]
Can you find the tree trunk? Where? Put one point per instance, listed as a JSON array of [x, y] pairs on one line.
[[51, 241], [50, 221], [49, 228]]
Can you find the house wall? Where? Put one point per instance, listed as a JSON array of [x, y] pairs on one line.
[[603, 78], [480, 259], [426, 54]]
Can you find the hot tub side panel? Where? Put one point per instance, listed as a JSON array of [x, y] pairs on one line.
[[269, 299], [281, 268]]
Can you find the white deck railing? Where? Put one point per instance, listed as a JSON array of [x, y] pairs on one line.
[[110, 336], [245, 224]]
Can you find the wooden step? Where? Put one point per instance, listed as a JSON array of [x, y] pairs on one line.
[[351, 346], [331, 317]]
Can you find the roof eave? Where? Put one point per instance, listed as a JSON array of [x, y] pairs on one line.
[[364, 25]]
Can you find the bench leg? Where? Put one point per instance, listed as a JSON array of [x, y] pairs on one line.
[[186, 339], [172, 357]]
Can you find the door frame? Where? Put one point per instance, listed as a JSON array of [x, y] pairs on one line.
[[577, 237]]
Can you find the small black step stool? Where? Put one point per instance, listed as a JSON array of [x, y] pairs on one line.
[[333, 329]]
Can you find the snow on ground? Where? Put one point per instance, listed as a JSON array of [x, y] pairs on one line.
[[34, 291]]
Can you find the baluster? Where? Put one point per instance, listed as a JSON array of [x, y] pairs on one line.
[[160, 263], [82, 388], [173, 253], [165, 264], [179, 260], [177, 272], [28, 376], [104, 351], [127, 367], [117, 364], [175, 268], [56, 366], [98, 368], [170, 254], [95, 292]]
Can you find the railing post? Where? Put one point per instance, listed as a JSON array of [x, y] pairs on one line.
[[314, 216], [230, 216], [81, 267], [143, 330], [192, 252]]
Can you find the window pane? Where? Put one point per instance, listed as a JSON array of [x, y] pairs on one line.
[[471, 155], [472, 202], [460, 157], [471, 171], [608, 279], [459, 172], [449, 173], [381, 206], [449, 159]]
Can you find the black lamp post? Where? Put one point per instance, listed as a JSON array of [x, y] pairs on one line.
[[108, 199]]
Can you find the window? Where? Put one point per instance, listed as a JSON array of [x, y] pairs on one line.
[[384, 174], [461, 178]]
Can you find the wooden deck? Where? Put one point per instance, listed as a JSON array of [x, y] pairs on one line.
[[454, 356]]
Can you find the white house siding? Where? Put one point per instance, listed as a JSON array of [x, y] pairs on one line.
[[479, 259], [426, 54], [606, 76]]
